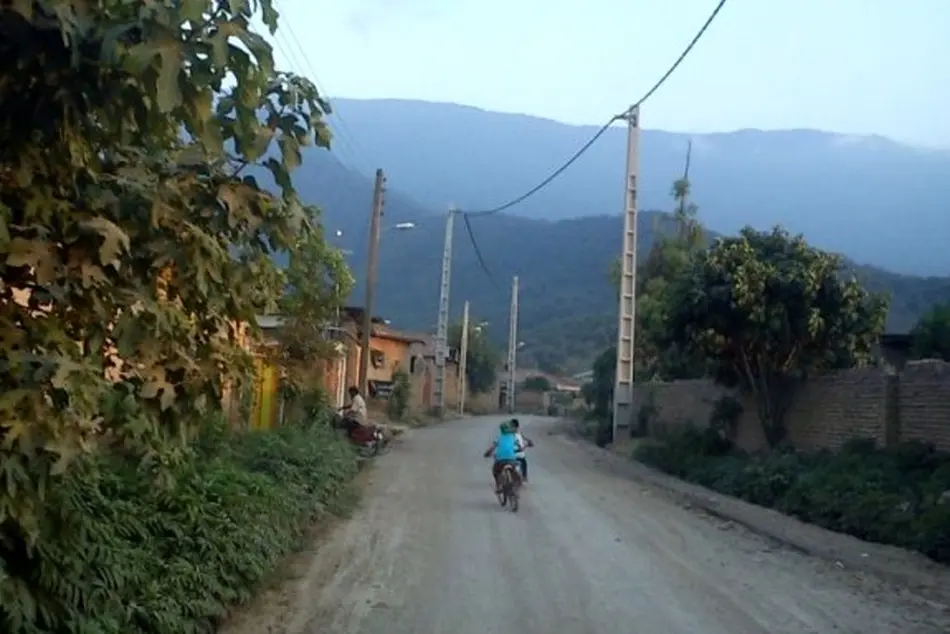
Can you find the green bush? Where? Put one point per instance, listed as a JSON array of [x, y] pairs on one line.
[[398, 403], [134, 550], [895, 496], [598, 430]]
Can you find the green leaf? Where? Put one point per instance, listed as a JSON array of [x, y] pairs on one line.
[[290, 151], [168, 91], [193, 10], [115, 242], [269, 15]]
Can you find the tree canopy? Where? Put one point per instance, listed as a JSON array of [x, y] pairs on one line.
[[537, 384], [931, 335], [767, 310], [599, 392], [482, 359]]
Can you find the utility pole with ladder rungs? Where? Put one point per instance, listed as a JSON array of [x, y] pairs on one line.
[[626, 316], [512, 346], [442, 325], [463, 361]]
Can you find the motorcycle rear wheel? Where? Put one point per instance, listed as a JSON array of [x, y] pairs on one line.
[[510, 489]]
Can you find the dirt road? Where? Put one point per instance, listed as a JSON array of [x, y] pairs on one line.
[[431, 551]]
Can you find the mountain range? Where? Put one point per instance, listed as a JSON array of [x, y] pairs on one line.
[[878, 202]]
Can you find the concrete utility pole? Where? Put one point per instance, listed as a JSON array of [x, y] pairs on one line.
[[623, 385], [463, 361], [374, 226], [512, 345], [442, 328]]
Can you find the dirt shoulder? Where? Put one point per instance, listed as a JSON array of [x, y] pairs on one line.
[[282, 603], [896, 565]]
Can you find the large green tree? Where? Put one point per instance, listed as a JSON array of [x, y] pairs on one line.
[[132, 244], [482, 360], [768, 310], [931, 335]]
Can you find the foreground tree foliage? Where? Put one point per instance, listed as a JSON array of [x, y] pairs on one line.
[[768, 310], [132, 248]]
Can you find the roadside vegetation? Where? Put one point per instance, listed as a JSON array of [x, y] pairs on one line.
[[897, 496], [137, 248]]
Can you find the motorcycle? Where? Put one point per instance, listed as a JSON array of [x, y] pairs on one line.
[[369, 438]]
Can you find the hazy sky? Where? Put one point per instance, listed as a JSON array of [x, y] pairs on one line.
[[852, 66]]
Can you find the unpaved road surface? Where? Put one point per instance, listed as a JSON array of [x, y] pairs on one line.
[[431, 551]]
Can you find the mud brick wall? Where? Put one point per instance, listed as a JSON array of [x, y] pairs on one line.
[[877, 403], [677, 403], [830, 410], [924, 405], [529, 402]]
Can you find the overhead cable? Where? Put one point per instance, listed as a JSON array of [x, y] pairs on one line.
[[600, 132]]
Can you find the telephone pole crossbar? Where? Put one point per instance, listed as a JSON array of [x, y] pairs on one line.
[[623, 385]]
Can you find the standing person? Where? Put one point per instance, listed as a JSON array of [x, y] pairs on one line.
[[523, 444]]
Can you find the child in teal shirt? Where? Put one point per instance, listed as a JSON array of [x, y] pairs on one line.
[[505, 447]]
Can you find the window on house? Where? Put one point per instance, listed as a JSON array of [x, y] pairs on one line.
[[377, 358]]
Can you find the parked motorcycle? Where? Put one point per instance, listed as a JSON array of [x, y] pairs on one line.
[[369, 438]]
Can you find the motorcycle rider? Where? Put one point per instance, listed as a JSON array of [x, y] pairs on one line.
[[505, 448], [524, 443], [355, 415]]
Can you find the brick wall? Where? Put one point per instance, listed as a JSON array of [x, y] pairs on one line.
[[529, 402], [924, 405], [879, 403], [422, 385]]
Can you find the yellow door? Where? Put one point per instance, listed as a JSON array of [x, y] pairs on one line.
[[264, 411]]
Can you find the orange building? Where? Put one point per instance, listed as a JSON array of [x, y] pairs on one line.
[[390, 350]]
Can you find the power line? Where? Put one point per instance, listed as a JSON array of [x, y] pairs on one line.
[[344, 135], [347, 147], [603, 129], [478, 253], [546, 181]]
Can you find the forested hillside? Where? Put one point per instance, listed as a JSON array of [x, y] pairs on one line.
[[568, 308]]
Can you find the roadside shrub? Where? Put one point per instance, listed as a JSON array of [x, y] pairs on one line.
[[725, 414], [130, 551], [604, 432], [645, 415], [398, 404], [898, 496]]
